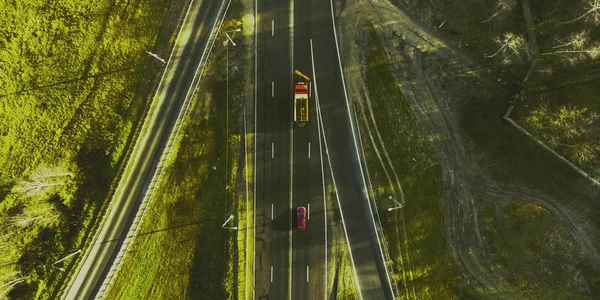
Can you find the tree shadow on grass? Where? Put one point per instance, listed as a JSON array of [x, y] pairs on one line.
[[68, 81], [4, 191], [96, 175], [211, 258]]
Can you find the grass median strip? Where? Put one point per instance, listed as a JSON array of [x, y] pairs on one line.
[[340, 274], [245, 235]]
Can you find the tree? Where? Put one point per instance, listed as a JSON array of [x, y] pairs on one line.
[[42, 180], [584, 152], [566, 128], [593, 10], [43, 217], [8, 281], [47, 172], [502, 7], [34, 187], [563, 124], [576, 47], [511, 45]]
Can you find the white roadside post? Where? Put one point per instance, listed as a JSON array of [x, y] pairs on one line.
[[398, 204], [60, 260], [156, 56], [227, 221]]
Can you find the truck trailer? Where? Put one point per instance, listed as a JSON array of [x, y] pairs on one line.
[[301, 103]]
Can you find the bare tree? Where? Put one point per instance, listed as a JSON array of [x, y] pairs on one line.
[[42, 180], [53, 171], [43, 217], [576, 47], [511, 45], [9, 281], [36, 186], [593, 10], [502, 7]]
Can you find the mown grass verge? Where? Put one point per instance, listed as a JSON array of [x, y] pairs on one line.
[[422, 265], [74, 85], [182, 251], [340, 272], [245, 234]]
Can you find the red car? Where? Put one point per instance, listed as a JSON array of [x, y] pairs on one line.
[[301, 212]]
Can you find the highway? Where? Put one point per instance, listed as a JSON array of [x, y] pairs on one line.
[[176, 84], [291, 263]]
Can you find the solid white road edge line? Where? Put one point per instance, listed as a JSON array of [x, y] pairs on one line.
[[291, 26], [255, 140], [356, 149], [247, 209], [324, 207], [320, 119]]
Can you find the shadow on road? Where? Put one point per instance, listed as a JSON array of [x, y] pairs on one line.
[[281, 222]]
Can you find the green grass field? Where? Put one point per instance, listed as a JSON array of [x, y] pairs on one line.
[[422, 269], [74, 83], [529, 241]]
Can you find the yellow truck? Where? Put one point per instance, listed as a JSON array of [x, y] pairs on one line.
[[301, 96]]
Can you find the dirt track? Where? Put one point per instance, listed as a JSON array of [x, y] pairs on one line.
[[437, 80]]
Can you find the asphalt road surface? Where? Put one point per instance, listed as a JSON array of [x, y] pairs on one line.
[[291, 263], [273, 146], [172, 92]]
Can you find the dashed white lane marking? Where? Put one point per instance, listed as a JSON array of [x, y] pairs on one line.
[[308, 212], [272, 89], [272, 150], [271, 273], [308, 149], [271, 211], [272, 27], [307, 273]]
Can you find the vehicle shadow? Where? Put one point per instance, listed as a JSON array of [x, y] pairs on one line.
[[281, 222]]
